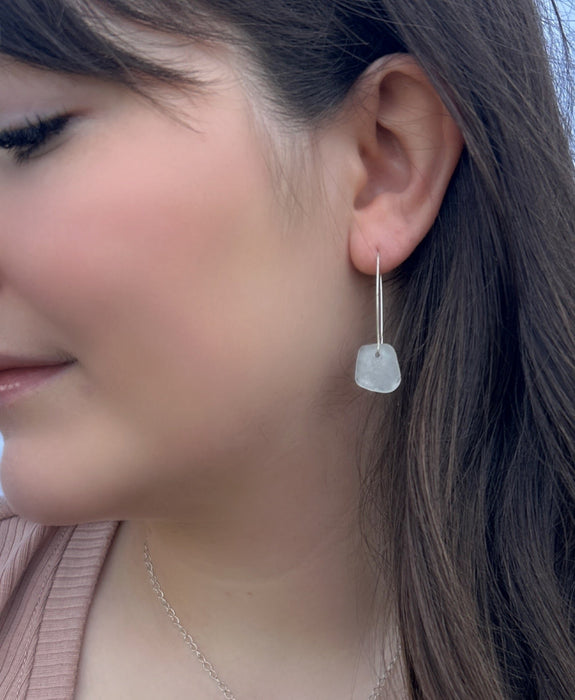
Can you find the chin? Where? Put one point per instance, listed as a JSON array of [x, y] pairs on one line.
[[36, 490]]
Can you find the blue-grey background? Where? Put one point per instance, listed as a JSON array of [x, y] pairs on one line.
[[567, 9]]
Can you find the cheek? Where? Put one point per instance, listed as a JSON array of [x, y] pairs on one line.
[[129, 224], [159, 271], [198, 319]]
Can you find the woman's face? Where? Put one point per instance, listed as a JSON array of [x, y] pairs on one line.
[[209, 320]]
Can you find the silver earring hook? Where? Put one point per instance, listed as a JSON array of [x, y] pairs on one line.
[[379, 306]]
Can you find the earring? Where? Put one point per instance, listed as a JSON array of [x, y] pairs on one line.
[[377, 368]]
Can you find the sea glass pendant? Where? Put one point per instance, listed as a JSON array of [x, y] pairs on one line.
[[377, 369]]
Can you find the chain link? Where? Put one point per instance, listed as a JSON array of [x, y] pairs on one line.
[[206, 665], [188, 639], [376, 693]]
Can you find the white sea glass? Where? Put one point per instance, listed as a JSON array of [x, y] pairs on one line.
[[377, 370]]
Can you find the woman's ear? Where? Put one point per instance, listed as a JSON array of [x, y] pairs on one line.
[[409, 146]]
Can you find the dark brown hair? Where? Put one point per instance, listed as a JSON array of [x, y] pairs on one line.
[[474, 473]]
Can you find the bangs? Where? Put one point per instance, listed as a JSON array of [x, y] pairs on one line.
[[82, 37], [305, 55]]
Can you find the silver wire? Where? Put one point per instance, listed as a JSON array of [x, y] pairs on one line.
[[379, 307]]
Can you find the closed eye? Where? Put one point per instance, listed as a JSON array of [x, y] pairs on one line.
[[29, 139]]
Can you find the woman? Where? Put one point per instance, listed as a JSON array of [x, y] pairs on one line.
[[197, 197]]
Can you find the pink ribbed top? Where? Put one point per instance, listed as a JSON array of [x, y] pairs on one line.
[[47, 581]]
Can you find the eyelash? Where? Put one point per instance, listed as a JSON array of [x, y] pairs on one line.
[[25, 141]]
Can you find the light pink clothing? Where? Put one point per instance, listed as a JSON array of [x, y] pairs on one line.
[[47, 581]]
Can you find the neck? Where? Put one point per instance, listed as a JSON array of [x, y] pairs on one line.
[[279, 571]]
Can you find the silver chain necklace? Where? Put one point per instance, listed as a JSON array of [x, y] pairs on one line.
[[206, 665]]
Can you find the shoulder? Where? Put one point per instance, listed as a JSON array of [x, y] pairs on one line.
[[27, 547], [47, 578], [21, 543]]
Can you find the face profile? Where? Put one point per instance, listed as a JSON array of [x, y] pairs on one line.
[[278, 417], [138, 254]]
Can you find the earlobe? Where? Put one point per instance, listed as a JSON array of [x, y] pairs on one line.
[[409, 147]]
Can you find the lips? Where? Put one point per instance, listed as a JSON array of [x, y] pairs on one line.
[[19, 379], [9, 377], [9, 362]]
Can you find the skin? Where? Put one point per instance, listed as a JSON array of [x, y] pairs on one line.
[[211, 407]]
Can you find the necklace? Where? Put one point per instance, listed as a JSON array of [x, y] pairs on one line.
[[206, 665]]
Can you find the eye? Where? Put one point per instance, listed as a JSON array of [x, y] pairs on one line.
[[27, 140]]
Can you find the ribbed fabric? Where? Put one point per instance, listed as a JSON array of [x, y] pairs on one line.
[[47, 581]]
